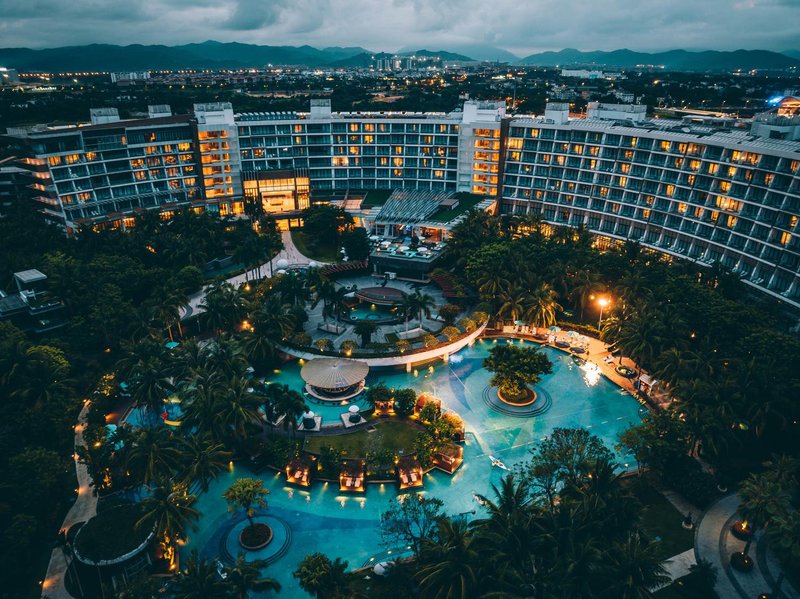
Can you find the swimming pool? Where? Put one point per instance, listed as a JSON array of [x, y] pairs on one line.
[[373, 313], [321, 519]]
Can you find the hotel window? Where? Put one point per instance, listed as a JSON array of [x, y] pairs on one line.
[[72, 158], [353, 127], [137, 163], [369, 139], [682, 207], [339, 161], [794, 166], [646, 213], [91, 156], [633, 142], [438, 174], [670, 190], [691, 179], [623, 181], [650, 200], [140, 175], [728, 204], [594, 151], [628, 155], [398, 150], [397, 162], [769, 178], [515, 143], [299, 128], [731, 222], [681, 148], [665, 146], [614, 208], [731, 172], [151, 150], [698, 212], [785, 238], [714, 216], [54, 160], [184, 147], [625, 168], [713, 167], [398, 172], [354, 150], [793, 222], [736, 156], [369, 127], [725, 186], [678, 162], [694, 165]]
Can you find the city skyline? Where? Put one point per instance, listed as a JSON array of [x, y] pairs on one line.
[[537, 26]]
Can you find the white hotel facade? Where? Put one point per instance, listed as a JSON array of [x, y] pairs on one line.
[[721, 191]]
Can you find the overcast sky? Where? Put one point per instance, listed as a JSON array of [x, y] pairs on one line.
[[521, 26]]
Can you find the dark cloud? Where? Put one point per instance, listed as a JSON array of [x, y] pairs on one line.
[[522, 26]]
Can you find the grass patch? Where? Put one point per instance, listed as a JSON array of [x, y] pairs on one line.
[[320, 252], [660, 521], [395, 435], [465, 202], [112, 533], [376, 197]]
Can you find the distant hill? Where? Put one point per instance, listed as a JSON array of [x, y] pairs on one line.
[[677, 60], [210, 55], [476, 52], [792, 53], [444, 55]]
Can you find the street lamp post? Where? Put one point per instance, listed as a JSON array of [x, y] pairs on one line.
[[603, 302]]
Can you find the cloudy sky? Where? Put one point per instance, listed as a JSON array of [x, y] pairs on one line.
[[522, 26]]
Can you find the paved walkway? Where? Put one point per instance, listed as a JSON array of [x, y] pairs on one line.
[[715, 543], [290, 253], [84, 508]]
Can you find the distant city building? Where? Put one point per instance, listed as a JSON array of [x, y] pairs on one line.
[[706, 189], [8, 76], [582, 74], [14, 181], [31, 307], [130, 76], [623, 96]]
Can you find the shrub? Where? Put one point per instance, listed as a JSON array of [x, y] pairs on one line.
[[404, 401], [467, 324], [378, 393], [429, 340], [452, 333], [301, 338], [401, 345], [348, 346], [685, 476], [480, 317], [449, 312], [323, 344], [430, 412]]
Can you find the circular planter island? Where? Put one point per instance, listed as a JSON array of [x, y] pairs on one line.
[[527, 398], [256, 536]]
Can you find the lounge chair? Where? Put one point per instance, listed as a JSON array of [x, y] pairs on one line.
[[413, 477], [404, 478]]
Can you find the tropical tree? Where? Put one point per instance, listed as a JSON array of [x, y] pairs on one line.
[[200, 580], [761, 498], [237, 407], [244, 576], [246, 494], [203, 460], [411, 521], [319, 576], [287, 403], [541, 305], [514, 368], [223, 306], [423, 305], [168, 509], [636, 568], [783, 536], [365, 330], [584, 283], [449, 562], [154, 455]]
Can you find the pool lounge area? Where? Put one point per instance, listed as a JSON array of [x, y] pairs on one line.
[[341, 523]]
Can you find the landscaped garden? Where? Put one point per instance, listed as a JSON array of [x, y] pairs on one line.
[[505, 485]]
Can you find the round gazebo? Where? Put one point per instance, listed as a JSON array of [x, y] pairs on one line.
[[334, 379]]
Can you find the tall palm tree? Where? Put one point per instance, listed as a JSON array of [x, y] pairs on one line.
[[237, 407], [365, 330], [541, 306], [201, 396], [424, 304], [762, 497], [783, 536], [292, 289], [584, 284], [224, 306], [493, 284], [150, 384], [513, 304], [200, 580], [244, 576], [641, 337], [203, 460], [287, 403], [635, 567], [154, 454], [226, 356], [168, 509], [449, 569]]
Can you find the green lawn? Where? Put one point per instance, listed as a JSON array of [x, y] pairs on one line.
[[660, 521], [392, 434], [323, 253], [376, 197]]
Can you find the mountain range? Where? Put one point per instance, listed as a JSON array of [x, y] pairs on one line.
[[233, 55]]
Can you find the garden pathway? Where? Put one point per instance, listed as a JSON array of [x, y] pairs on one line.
[[290, 253], [715, 543], [84, 508]]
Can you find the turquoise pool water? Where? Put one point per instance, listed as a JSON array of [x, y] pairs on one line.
[[372, 312], [320, 519]]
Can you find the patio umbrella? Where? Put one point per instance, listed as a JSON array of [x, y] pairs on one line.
[[554, 329], [572, 334], [402, 248], [519, 323], [354, 409]]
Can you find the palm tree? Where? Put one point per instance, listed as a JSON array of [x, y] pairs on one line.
[[168, 309], [204, 459], [200, 400], [636, 567], [237, 407], [424, 304], [365, 330], [245, 576], [584, 284], [641, 337], [493, 284], [168, 509], [292, 289], [762, 497], [513, 304], [449, 563], [150, 384], [200, 580], [783, 536], [154, 454], [541, 306], [287, 403], [226, 356], [224, 307]]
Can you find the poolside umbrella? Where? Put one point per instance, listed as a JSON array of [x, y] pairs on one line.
[[519, 323], [402, 248], [572, 334], [554, 329], [333, 373], [354, 409], [386, 243]]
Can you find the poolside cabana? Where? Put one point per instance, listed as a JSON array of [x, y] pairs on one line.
[[449, 458], [409, 473], [298, 471], [334, 379], [352, 476]]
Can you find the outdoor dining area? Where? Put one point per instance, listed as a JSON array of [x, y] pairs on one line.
[[409, 473], [352, 476], [571, 340], [334, 379]]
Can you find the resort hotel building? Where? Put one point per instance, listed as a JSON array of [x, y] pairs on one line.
[[706, 189]]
